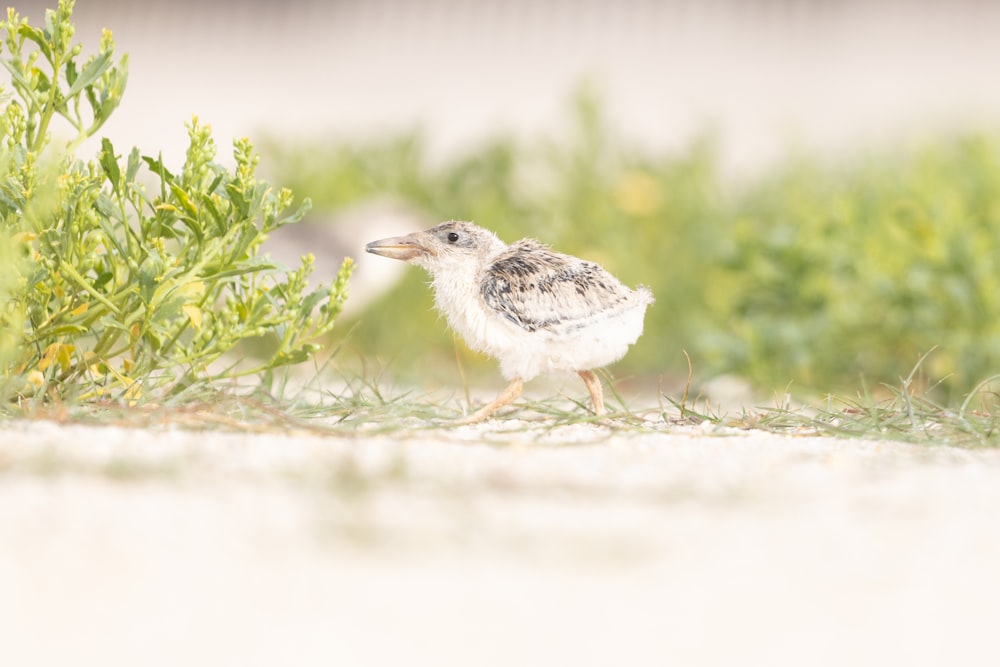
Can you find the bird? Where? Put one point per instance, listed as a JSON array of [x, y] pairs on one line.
[[529, 307]]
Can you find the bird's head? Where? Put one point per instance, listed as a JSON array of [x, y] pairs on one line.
[[450, 244]]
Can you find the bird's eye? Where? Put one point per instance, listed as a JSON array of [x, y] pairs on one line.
[[452, 237]]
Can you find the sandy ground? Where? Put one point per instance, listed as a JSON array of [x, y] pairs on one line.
[[507, 544]]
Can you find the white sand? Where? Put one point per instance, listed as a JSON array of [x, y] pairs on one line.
[[165, 547]]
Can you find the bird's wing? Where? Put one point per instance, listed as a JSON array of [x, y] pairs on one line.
[[538, 289]]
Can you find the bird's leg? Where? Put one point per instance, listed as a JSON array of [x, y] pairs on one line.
[[506, 397], [594, 387]]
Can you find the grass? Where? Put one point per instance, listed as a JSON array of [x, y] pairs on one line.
[[363, 407]]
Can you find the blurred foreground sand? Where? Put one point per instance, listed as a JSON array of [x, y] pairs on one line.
[[504, 544]]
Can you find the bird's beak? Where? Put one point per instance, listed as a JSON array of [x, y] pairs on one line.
[[400, 247]]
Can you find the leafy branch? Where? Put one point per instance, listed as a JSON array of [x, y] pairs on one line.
[[133, 280]]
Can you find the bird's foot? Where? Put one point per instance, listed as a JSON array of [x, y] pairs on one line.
[[506, 397], [594, 387]]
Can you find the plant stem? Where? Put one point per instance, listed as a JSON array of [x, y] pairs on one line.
[[87, 287], [48, 109]]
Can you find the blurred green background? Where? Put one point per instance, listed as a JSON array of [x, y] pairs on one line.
[[811, 275]]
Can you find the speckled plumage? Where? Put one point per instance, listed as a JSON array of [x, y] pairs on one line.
[[531, 308]]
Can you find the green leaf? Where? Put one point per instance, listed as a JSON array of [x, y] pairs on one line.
[[103, 279], [43, 85], [50, 25], [150, 272], [12, 195], [312, 300], [240, 203], [215, 183], [217, 216], [184, 200], [249, 265], [194, 226], [17, 74], [109, 163], [111, 322], [66, 330], [39, 38], [132, 168], [156, 166], [106, 207], [292, 357], [71, 73], [112, 88], [106, 225], [91, 72]]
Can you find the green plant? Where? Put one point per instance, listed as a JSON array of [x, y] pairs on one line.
[[12, 264], [859, 272], [132, 279]]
